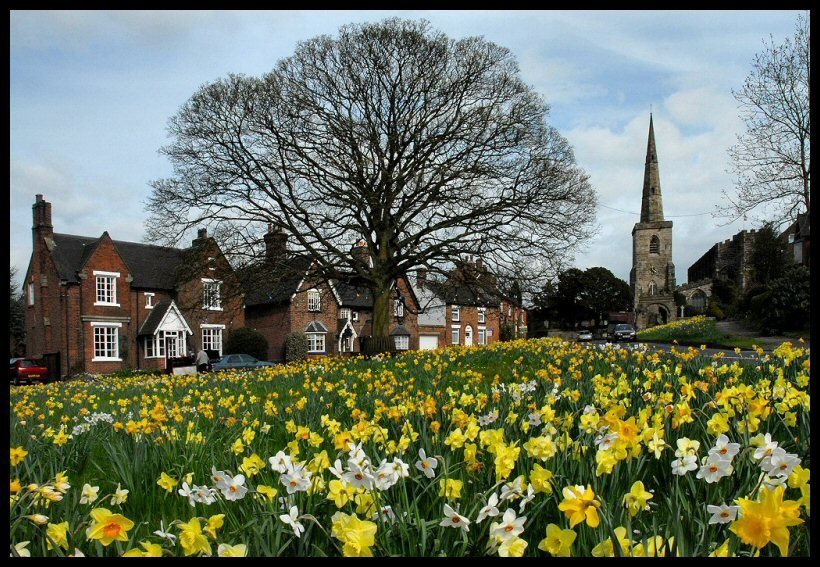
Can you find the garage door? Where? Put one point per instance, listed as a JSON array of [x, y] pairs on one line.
[[428, 342]]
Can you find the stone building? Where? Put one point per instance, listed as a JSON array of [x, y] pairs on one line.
[[727, 260], [652, 278]]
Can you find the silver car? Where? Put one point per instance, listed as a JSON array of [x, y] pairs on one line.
[[239, 361], [584, 336]]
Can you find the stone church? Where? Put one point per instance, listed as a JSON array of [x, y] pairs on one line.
[[652, 278]]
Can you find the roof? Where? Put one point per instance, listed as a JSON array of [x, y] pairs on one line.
[[457, 293], [272, 284], [316, 327], [150, 325], [352, 295], [151, 266]]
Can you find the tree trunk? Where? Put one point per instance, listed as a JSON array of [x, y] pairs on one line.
[[382, 317]]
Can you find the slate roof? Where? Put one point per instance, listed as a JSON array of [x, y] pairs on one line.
[[352, 295], [151, 266], [267, 284], [458, 293], [149, 326]]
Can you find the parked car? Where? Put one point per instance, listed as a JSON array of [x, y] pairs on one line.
[[623, 332], [238, 361], [26, 371], [584, 335]]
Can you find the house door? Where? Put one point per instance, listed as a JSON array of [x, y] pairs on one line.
[[468, 336]]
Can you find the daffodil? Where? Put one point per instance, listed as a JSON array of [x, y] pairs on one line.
[[167, 482], [57, 534], [238, 550], [636, 499], [107, 527], [580, 505], [148, 550], [192, 539], [558, 542]]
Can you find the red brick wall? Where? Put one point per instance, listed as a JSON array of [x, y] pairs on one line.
[[274, 324], [300, 317], [469, 316]]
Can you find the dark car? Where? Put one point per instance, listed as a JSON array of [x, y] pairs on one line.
[[26, 371], [238, 361], [623, 332], [584, 335]]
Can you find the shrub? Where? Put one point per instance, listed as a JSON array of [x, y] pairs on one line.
[[785, 304], [247, 341], [296, 346], [715, 311]]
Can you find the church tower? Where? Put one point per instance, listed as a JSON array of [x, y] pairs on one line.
[[652, 278]]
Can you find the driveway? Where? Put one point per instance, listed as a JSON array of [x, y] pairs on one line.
[[737, 328]]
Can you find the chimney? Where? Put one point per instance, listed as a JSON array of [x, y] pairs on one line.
[[276, 244], [361, 254], [201, 236], [41, 231], [479, 264]]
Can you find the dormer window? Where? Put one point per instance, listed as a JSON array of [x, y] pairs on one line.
[[314, 300], [149, 300], [344, 314], [106, 286], [212, 264]]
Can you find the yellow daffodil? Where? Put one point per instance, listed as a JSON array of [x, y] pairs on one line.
[[558, 542], [107, 527]]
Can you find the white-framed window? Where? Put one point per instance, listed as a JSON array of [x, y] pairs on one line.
[[398, 308], [482, 314], [456, 332], [456, 311], [106, 341], [106, 286], [31, 293], [154, 348], [212, 337], [149, 300], [174, 342], [314, 300], [355, 316], [211, 294], [402, 342], [482, 336], [344, 313], [212, 264], [316, 342]]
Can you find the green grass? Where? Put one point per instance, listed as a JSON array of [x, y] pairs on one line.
[[696, 331]]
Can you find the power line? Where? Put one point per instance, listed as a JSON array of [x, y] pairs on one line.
[[665, 216]]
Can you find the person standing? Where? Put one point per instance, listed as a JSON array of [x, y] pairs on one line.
[[202, 361]]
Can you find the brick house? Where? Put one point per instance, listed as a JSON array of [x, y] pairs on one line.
[[107, 305], [466, 309], [283, 295]]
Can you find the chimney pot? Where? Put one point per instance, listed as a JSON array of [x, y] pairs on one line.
[[38, 198], [202, 233]]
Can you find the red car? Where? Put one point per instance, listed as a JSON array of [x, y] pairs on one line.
[[26, 371]]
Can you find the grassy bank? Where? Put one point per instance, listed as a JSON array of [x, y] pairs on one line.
[[695, 331]]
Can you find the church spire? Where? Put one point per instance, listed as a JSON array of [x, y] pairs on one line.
[[651, 204]]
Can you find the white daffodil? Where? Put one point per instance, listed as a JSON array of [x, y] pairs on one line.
[[605, 442], [89, 494], [722, 514], [21, 550], [534, 419], [526, 499], [120, 496], [510, 526], [188, 493], [725, 449], [781, 464], [356, 454], [683, 465], [291, 519], [204, 494], [766, 449], [221, 478], [453, 519], [490, 510], [385, 476], [164, 534], [715, 468], [512, 490], [358, 476], [235, 489], [296, 480], [402, 469], [772, 482], [426, 464], [281, 462]]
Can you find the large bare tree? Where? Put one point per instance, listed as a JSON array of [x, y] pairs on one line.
[[771, 161], [425, 147]]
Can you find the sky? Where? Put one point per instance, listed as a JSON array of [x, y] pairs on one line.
[[91, 94]]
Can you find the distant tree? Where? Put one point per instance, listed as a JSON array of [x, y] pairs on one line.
[[785, 303], [769, 257], [582, 295], [771, 160], [425, 147], [247, 341], [724, 298], [17, 313]]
